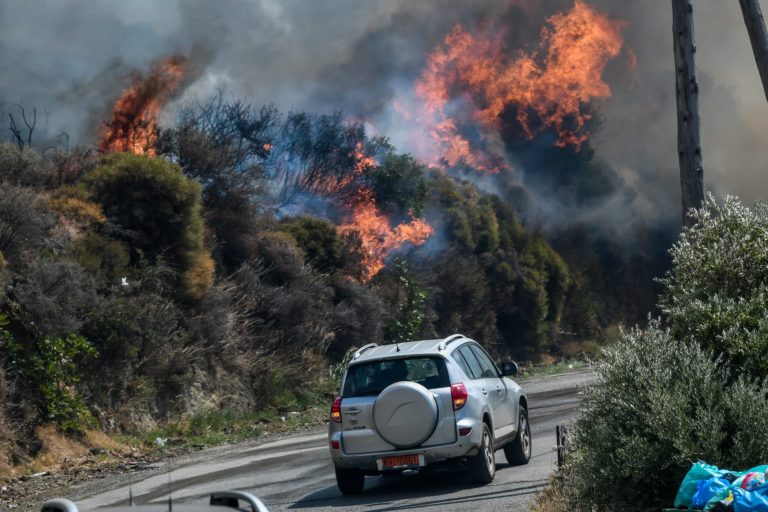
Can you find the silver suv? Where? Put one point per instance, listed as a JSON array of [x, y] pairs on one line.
[[423, 403]]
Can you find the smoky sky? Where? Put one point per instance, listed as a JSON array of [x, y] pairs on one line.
[[70, 59]]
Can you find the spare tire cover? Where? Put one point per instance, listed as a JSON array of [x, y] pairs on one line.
[[405, 414]]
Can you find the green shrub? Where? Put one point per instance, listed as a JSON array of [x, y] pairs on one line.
[[160, 208], [320, 241], [460, 229], [336, 371], [553, 272], [662, 405], [102, 255], [143, 350], [54, 369], [488, 229], [399, 181], [716, 291], [410, 313]]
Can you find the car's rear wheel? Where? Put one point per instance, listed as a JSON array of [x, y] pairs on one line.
[[518, 452], [350, 481], [483, 465]]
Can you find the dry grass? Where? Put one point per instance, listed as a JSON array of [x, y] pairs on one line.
[[59, 452], [547, 359], [552, 498], [56, 450], [7, 471], [96, 440]]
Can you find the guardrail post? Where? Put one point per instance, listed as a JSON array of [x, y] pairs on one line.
[[561, 435]]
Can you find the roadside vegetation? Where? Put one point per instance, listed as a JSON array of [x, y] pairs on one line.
[[558, 367], [690, 386], [138, 294]]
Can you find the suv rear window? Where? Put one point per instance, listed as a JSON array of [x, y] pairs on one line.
[[372, 377]]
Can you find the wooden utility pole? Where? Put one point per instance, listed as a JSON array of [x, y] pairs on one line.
[[753, 19], [688, 139]]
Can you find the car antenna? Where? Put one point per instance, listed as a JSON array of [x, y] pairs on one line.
[[397, 344]]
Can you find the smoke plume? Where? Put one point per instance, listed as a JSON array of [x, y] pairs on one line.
[[71, 59]]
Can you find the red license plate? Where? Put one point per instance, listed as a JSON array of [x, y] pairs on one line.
[[399, 461]]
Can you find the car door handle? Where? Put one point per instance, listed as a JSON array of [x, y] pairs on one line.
[[352, 411]]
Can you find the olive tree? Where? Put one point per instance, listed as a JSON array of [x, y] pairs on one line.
[[717, 289]]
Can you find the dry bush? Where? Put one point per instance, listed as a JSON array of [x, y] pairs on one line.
[[72, 165], [84, 213], [224, 355], [24, 222], [198, 278], [26, 167], [552, 498], [7, 438], [55, 296], [358, 317]]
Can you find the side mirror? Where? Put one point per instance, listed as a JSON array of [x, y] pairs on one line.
[[509, 368]]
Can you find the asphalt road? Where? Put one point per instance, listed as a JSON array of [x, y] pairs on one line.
[[297, 474]]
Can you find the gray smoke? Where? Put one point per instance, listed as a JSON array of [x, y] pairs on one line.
[[70, 59]]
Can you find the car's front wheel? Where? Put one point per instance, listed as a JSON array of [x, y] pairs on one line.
[[518, 452], [350, 481], [483, 465]]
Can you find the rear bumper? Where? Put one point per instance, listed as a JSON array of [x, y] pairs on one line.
[[464, 446]]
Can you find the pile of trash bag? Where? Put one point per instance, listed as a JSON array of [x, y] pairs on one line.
[[707, 487]]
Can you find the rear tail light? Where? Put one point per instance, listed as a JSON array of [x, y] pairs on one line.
[[336, 410], [459, 395]]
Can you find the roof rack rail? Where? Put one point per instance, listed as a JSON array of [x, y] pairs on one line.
[[363, 349], [59, 505], [450, 339], [230, 499]]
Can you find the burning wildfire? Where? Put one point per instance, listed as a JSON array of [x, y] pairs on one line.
[[376, 235], [133, 127], [471, 81]]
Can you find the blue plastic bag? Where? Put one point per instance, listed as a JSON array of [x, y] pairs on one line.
[[708, 489], [753, 500], [698, 472]]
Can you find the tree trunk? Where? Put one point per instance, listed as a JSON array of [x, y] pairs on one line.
[[688, 139], [753, 18]]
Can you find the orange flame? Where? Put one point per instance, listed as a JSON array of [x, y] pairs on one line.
[[133, 127], [553, 82], [376, 235]]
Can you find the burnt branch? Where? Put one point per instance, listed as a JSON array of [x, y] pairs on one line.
[[16, 131]]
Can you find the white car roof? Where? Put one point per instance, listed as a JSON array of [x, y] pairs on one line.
[[437, 347]]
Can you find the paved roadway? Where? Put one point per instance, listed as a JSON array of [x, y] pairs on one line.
[[296, 473]]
